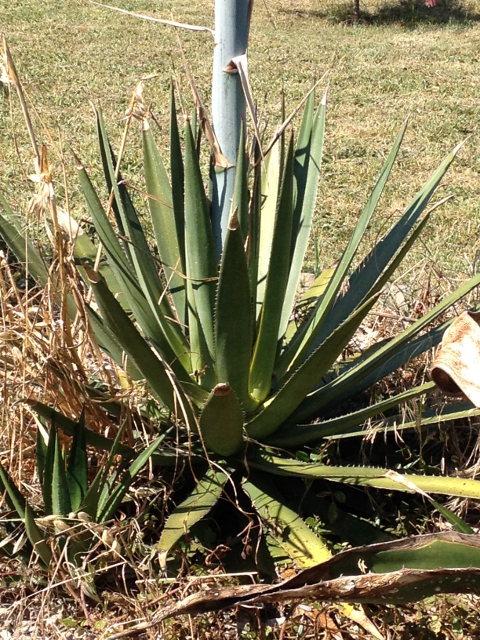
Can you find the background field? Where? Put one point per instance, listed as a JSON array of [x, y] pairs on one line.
[[400, 60]]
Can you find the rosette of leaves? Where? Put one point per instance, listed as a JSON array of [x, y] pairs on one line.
[[246, 369], [76, 513]]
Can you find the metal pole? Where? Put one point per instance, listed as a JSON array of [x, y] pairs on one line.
[[228, 105]]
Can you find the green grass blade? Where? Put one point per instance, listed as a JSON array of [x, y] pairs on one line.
[[234, 317], [289, 530], [359, 373], [77, 470], [306, 377], [367, 477], [291, 436], [199, 245], [311, 328], [121, 489], [61, 504], [221, 421], [267, 339], [191, 510], [308, 162], [163, 219]]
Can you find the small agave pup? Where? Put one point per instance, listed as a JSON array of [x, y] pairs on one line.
[[219, 342]]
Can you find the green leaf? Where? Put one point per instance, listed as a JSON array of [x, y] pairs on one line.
[[452, 518], [312, 326], [177, 177], [267, 195], [426, 553], [369, 273], [267, 339], [398, 571], [367, 477], [430, 417], [36, 537], [16, 502], [240, 202], [47, 485], [191, 510], [308, 161], [142, 259], [20, 245], [85, 252], [164, 220], [291, 436], [41, 455], [77, 470], [307, 301], [306, 377], [291, 532], [132, 343], [92, 502], [221, 421], [234, 317], [117, 495], [253, 242], [69, 427], [61, 504], [122, 268], [358, 374], [199, 245], [344, 304]]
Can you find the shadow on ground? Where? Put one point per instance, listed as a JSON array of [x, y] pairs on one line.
[[408, 13]]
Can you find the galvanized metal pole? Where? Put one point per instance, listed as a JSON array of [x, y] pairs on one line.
[[228, 104]]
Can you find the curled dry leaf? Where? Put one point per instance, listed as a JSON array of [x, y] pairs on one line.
[[450, 562], [456, 368]]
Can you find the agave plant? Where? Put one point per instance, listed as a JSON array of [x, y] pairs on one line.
[[246, 371], [226, 349], [76, 513]]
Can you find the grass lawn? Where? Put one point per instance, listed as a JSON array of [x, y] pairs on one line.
[[405, 60], [399, 60]]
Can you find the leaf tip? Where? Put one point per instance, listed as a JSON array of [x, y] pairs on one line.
[[233, 223], [222, 389]]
